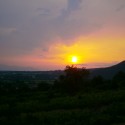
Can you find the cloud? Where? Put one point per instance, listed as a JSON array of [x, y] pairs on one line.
[[72, 5], [43, 11], [26, 25], [121, 7], [97, 64], [7, 31]]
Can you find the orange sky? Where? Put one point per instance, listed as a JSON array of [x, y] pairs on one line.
[[45, 34]]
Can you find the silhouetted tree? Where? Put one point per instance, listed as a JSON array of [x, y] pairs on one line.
[[119, 79], [44, 86], [97, 80], [74, 79]]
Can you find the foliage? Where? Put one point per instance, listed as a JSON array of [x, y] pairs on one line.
[[36, 108], [94, 102], [73, 80], [119, 79]]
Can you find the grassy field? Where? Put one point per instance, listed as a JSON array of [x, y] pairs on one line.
[[72, 99], [52, 108]]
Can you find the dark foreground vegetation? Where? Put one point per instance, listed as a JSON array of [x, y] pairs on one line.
[[72, 99]]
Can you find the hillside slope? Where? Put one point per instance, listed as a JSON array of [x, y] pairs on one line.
[[108, 72]]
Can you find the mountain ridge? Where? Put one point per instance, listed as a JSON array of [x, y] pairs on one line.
[[105, 72], [108, 72]]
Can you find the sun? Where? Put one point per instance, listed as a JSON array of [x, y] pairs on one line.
[[74, 59]]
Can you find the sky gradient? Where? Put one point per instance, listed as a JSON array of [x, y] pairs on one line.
[[44, 34]]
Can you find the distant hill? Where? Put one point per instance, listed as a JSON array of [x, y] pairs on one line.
[[108, 72], [14, 68]]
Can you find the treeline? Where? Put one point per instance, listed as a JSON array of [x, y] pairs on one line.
[[72, 81], [72, 99], [75, 80]]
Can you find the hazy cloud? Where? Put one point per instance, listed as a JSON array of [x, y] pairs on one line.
[[7, 31], [28, 24], [121, 7], [43, 11], [72, 5]]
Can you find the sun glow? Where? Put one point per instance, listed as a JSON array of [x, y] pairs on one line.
[[74, 59]]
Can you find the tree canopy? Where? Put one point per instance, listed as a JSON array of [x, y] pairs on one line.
[[73, 79]]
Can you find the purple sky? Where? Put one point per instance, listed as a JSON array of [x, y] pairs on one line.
[[30, 28]]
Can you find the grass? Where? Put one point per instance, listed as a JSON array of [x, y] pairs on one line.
[[39, 108]]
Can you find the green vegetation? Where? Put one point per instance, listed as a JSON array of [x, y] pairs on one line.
[[94, 101]]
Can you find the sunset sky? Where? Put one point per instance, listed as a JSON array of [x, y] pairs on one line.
[[45, 34]]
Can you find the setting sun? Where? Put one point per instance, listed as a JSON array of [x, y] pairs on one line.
[[74, 59]]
